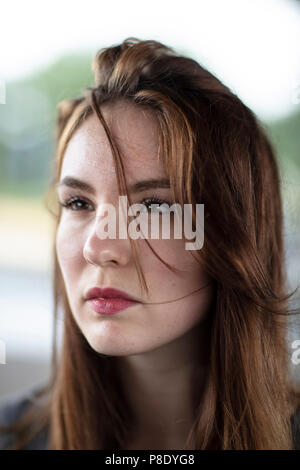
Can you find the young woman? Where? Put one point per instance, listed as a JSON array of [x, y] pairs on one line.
[[197, 357]]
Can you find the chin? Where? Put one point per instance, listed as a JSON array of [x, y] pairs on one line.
[[109, 345], [117, 346]]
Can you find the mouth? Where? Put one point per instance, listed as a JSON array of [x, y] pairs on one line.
[[108, 301]]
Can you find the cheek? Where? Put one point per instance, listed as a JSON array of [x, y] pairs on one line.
[[69, 248], [174, 253], [166, 322], [183, 299], [191, 302]]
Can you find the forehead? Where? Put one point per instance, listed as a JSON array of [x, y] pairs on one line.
[[135, 131]]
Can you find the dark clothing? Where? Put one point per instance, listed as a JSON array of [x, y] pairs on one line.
[[12, 408], [295, 421]]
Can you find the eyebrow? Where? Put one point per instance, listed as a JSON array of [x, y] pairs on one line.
[[136, 187]]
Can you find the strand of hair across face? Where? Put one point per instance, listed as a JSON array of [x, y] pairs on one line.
[[179, 298]]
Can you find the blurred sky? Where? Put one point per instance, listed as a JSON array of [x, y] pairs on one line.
[[253, 45]]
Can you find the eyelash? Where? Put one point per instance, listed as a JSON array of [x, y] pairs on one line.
[[150, 200]]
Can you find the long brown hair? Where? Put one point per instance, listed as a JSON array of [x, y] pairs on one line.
[[215, 152]]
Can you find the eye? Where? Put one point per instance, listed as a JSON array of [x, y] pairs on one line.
[[153, 201], [76, 204]]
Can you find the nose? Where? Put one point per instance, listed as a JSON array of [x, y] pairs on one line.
[[107, 251]]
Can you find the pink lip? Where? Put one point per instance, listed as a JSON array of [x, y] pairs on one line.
[[109, 301]]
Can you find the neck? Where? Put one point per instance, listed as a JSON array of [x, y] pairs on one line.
[[160, 386]]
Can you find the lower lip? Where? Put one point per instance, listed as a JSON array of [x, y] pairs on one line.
[[110, 306]]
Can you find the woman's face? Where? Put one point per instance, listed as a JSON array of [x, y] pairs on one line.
[[87, 261]]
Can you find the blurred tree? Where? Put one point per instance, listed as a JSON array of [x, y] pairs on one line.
[[285, 134], [28, 118]]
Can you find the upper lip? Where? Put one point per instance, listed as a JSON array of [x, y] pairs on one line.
[[108, 293]]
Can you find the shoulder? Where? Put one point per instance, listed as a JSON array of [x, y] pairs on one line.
[[11, 410], [295, 421]]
